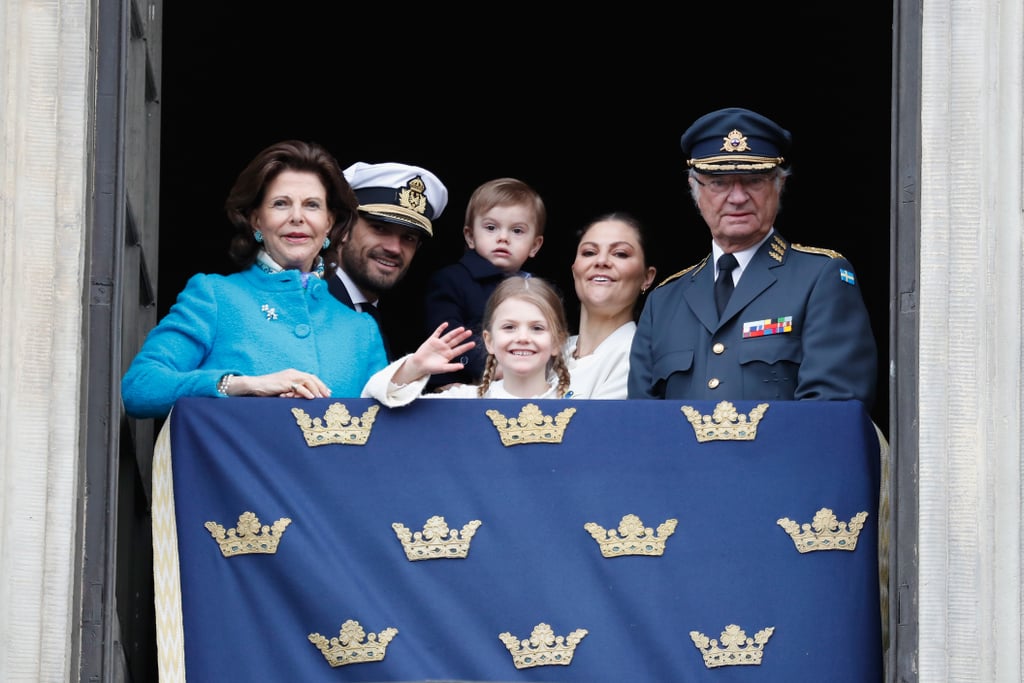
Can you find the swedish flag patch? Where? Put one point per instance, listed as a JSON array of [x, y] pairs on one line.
[[847, 276]]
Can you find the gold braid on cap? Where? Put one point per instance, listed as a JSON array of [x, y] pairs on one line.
[[399, 213], [735, 163], [411, 207]]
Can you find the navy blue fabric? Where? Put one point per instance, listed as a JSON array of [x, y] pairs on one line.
[[392, 195], [247, 618], [735, 140], [457, 294]]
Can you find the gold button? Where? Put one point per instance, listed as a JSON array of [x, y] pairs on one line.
[[718, 348], [713, 383]]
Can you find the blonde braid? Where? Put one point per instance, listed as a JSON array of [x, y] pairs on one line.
[[562, 370], [485, 382]]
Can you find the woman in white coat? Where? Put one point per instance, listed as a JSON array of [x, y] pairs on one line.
[[610, 275]]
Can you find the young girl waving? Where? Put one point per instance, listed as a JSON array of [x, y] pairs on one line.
[[524, 329]]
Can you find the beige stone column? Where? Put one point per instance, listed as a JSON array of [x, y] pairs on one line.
[[971, 335], [46, 98]]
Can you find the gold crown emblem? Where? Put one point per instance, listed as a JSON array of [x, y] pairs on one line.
[[531, 426], [735, 141], [248, 537], [725, 424], [739, 649], [543, 647], [412, 196], [825, 532], [337, 426], [436, 541], [632, 538], [353, 645]]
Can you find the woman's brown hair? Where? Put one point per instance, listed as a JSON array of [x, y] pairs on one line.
[[291, 155]]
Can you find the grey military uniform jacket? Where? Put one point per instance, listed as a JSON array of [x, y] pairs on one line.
[[796, 327]]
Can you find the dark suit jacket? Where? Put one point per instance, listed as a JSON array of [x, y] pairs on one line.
[[457, 294], [337, 288], [681, 349]]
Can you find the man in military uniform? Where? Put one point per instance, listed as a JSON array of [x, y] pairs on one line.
[[760, 317], [397, 206]]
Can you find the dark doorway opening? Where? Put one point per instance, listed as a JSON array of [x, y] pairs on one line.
[[588, 110]]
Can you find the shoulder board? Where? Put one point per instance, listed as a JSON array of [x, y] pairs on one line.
[[684, 271], [817, 250]]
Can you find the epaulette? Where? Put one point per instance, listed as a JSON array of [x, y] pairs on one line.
[[817, 250], [684, 271]]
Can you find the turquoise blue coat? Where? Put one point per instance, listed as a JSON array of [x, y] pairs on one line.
[[251, 323]]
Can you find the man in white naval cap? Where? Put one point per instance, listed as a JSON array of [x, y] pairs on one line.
[[397, 206]]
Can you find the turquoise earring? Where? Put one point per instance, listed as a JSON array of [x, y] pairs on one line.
[[327, 242], [258, 236]]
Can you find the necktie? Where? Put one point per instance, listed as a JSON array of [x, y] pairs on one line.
[[723, 285], [375, 314]]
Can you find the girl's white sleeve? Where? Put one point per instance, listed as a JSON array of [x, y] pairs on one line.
[[380, 387]]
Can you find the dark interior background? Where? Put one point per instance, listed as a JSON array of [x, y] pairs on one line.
[[587, 107]]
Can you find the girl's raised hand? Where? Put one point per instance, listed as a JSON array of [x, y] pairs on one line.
[[434, 356]]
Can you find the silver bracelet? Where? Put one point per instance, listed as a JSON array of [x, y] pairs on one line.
[[223, 384]]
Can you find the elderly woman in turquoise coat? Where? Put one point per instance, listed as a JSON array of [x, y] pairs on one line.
[[273, 328]]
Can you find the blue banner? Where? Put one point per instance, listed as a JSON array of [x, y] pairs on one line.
[[530, 514]]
